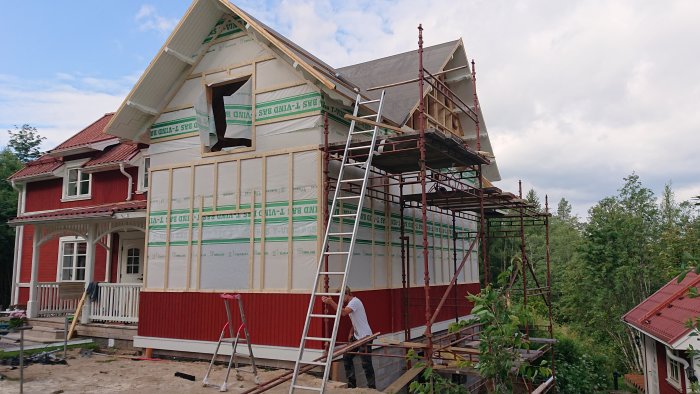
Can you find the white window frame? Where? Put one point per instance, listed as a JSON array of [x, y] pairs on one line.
[[143, 174], [61, 245], [76, 166], [670, 364]]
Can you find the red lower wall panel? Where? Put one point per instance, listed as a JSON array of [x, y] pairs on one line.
[[278, 318]]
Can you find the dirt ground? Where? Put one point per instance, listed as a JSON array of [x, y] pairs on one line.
[[111, 374]]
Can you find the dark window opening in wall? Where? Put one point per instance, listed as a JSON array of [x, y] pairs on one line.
[[232, 111]]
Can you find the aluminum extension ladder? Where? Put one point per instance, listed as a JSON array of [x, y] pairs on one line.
[[354, 215], [234, 341]]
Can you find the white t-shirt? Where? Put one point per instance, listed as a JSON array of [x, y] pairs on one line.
[[358, 316]]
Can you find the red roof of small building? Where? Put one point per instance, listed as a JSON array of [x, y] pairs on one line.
[[91, 134], [664, 313], [114, 154], [43, 165], [97, 211]]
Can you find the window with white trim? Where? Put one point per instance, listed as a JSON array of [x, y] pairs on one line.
[[133, 260], [143, 174], [673, 371], [73, 258], [76, 183]]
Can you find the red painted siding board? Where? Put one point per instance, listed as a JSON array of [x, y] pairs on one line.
[[664, 386], [274, 318], [107, 187]]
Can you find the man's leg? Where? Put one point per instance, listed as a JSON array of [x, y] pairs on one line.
[[349, 369], [367, 366]]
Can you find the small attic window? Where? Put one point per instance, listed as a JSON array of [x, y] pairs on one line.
[[229, 116]]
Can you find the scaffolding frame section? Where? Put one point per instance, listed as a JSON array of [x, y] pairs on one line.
[[449, 175]]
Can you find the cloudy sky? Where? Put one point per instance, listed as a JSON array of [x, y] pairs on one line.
[[576, 94]]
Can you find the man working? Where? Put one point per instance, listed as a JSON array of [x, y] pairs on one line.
[[360, 329]]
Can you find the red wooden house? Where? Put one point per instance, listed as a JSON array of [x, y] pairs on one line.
[[81, 218], [666, 338]]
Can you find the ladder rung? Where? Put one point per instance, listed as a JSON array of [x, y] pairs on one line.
[[320, 316], [362, 132], [327, 294], [339, 233], [348, 197], [319, 363], [332, 273], [336, 252], [356, 164], [351, 180], [369, 102], [232, 340], [296, 386], [344, 215], [359, 147], [368, 116]]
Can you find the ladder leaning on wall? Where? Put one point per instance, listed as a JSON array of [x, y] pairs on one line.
[[345, 178]]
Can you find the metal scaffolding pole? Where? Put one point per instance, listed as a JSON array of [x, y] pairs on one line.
[[424, 200]]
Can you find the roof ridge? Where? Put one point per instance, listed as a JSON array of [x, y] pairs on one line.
[[400, 54], [83, 130]]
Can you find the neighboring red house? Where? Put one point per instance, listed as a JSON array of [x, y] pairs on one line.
[[661, 321], [81, 217]]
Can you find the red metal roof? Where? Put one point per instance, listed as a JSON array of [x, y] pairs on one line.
[[105, 210], [114, 154], [664, 313], [43, 165], [91, 134]]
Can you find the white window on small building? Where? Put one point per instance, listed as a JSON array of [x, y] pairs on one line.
[[673, 371], [76, 183], [143, 174], [72, 259]]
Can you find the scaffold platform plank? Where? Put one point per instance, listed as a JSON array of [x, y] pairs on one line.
[[399, 154]]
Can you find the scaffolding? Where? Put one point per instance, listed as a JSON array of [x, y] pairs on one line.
[[449, 175]]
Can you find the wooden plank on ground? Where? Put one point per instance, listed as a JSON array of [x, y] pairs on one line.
[[404, 380]]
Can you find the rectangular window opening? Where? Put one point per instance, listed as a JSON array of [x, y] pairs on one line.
[[228, 120]]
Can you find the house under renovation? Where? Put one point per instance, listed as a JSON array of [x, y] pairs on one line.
[[268, 172]]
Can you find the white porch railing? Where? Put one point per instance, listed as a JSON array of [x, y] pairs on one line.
[[116, 302], [49, 302]]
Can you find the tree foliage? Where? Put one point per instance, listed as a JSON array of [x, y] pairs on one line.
[[9, 163], [630, 244], [25, 142]]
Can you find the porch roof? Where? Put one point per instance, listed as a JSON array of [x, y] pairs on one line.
[[664, 313], [92, 212]]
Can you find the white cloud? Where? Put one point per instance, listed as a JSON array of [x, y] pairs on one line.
[[576, 94], [148, 18], [59, 107]]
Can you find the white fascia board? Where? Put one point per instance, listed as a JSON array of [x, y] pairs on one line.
[[130, 215], [102, 145], [685, 341], [645, 333], [71, 151], [35, 178]]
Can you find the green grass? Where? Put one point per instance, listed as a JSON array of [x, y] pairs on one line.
[[91, 346]]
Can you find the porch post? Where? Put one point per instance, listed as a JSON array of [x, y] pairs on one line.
[[89, 270], [33, 303]]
